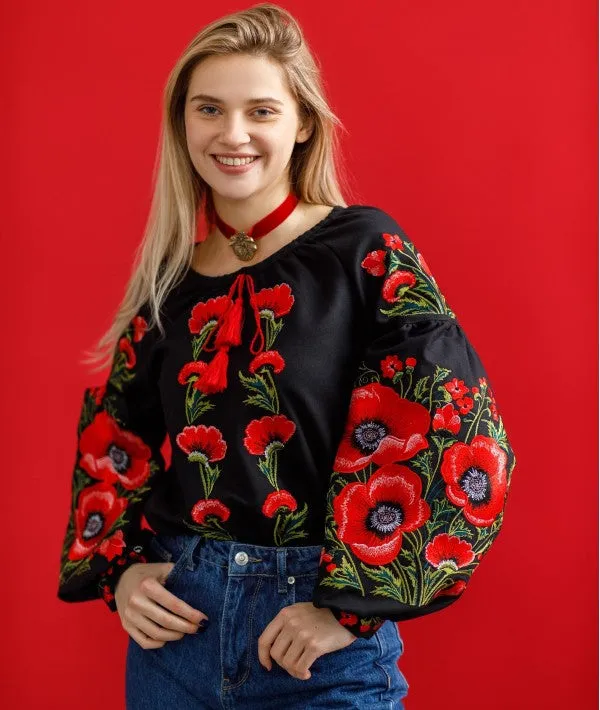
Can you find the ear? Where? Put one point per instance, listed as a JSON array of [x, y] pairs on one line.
[[305, 130]]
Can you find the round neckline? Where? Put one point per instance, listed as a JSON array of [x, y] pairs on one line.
[[196, 276]]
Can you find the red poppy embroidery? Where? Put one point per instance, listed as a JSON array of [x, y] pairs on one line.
[[206, 314], [278, 500], [269, 357], [374, 263], [390, 366], [476, 478], [381, 427], [126, 347], [203, 508], [202, 443], [453, 590], [372, 516], [267, 433], [140, 326], [276, 301], [112, 454], [98, 507], [447, 418], [196, 367], [449, 552]]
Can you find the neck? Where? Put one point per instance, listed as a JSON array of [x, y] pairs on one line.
[[242, 214]]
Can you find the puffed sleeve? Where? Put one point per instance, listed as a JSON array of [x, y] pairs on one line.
[[421, 474], [119, 436]]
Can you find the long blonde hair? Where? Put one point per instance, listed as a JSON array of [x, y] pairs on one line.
[[181, 196]]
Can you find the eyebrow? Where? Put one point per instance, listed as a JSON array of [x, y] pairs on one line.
[[216, 100]]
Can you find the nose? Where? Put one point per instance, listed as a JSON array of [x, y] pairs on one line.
[[234, 130]]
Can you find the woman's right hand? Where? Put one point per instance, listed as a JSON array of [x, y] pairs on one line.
[[149, 613]]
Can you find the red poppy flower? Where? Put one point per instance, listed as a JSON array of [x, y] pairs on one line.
[[374, 263], [112, 546], [196, 367], [475, 476], [276, 301], [112, 454], [262, 433], [447, 418], [205, 314], [393, 241], [456, 388], [98, 507], [98, 393], [203, 508], [382, 427], [449, 552], [202, 443], [126, 347], [396, 284], [276, 500], [140, 326], [269, 357], [454, 590], [372, 516]]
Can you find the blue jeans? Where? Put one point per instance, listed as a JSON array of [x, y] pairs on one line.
[[241, 588]]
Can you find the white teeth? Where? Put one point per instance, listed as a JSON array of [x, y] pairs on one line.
[[235, 161]]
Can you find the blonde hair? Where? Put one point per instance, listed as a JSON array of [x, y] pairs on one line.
[[180, 195]]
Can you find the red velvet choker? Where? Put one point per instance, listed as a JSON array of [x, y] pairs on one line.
[[243, 242]]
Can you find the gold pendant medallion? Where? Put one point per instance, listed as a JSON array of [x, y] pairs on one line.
[[244, 247]]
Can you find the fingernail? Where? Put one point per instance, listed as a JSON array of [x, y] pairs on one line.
[[202, 625]]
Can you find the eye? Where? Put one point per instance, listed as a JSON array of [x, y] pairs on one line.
[[201, 109], [269, 112]]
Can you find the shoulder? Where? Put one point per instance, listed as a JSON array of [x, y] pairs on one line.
[[361, 229]]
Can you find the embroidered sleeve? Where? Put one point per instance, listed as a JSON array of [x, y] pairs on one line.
[[420, 478], [120, 431]]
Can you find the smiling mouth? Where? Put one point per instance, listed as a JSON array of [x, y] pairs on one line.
[[234, 162]]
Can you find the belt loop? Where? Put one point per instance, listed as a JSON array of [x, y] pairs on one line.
[[188, 550], [282, 585]]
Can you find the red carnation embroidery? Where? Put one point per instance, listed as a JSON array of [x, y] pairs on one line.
[[396, 284], [447, 418], [453, 590], [449, 552], [475, 476], [262, 434], [203, 508], [277, 500], [276, 301], [206, 314], [374, 262], [98, 507], [140, 326], [110, 453], [372, 516], [195, 367], [269, 357], [382, 427], [126, 347], [393, 241], [202, 443]]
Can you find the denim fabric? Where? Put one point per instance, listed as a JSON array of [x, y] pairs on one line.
[[219, 668]]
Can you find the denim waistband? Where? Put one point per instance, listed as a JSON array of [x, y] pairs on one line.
[[242, 558]]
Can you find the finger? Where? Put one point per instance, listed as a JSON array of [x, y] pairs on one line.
[[150, 629], [280, 648], [308, 656], [182, 616], [266, 639], [141, 639]]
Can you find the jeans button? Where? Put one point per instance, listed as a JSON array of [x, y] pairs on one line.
[[241, 558], [291, 580]]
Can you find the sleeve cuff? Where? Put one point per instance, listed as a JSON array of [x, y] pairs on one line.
[[361, 627], [108, 581]]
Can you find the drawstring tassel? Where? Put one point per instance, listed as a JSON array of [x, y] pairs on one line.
[[214, 378], [230, 332]]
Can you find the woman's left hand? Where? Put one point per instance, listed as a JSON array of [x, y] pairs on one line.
[[298, 635]]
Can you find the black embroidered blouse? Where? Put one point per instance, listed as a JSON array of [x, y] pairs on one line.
[[326, 395]]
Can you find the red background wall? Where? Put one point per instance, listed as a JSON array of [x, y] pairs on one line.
[[475, 125]]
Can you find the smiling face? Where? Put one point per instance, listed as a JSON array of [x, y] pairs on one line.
[[240, 104]]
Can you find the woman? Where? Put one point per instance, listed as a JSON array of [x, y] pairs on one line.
[[336, 458]]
